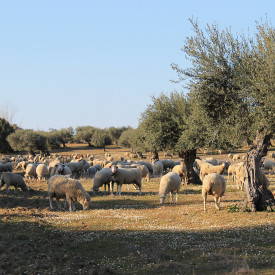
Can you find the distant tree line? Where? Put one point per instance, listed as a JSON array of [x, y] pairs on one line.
[[13, 138]]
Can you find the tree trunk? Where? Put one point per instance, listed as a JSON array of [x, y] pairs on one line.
[[189, 157], [258, 197]]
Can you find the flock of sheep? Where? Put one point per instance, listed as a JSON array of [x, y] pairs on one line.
[[62, 173]]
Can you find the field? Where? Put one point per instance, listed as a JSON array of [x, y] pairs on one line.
[[132, 234]]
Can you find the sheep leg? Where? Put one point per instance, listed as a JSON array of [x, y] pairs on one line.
[[140, 191], [51, 202], [119, 189], [204, 201], [172, 197], [70, 204], [217, 203], [58, 204], [7, 188]]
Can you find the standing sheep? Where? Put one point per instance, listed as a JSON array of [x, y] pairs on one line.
[[42, 171], [126, 176], [157, 168], [62, 187], [169, 183], [30, 171], [182, 172], [213, 184], [6, 167], [208, 168], [13, 179], [102, 177]]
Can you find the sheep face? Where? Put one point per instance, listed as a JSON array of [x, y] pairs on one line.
[[86, 204], [162, 200], [113, 169]]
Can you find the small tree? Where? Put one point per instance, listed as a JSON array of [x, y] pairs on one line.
[[85, 133], [101, 138], [5, 130], [115, 133]]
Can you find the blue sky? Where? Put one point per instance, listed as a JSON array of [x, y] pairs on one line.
[[75, 63]]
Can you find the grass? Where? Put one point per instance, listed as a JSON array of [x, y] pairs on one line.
[[132, 234]]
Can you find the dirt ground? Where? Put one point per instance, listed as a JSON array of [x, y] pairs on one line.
[[132, 234]]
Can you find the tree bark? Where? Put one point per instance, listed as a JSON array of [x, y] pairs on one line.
[[189, 157], [258, 197]]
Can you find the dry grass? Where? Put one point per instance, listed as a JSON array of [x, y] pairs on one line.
[[132, 234]]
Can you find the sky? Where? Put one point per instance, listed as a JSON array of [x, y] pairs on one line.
[[67, 63]]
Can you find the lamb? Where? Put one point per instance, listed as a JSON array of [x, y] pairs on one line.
[[30, 171], [126, 176], [207, 168], [169, 183], [157, 168], [69, 189], [182, 172], [15, 180], [6, 167], [213, 184], [102, 177], [42, 171]]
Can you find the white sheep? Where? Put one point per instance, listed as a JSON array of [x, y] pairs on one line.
[[182, 172], [213, 184], [157, 168], [207, 168], [147, 164], [62, 187], [30, 171], [236, 157], [61, 169], [6, 167], [169, 183], [102, 177], [42, 171], [77, 167], [145, 172], [126, 176], [11, 179]]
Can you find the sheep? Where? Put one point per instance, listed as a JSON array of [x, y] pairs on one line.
[[30, 171], [207, 168], [147, 164], [102, 177], [230, 156], [92, 171], [236, 157], [168, 164], [157, 168], [197, 164], [69, 189], [15, 180], [168, 154], [210, 160], [272, 155], [213, 184], [227, 163], [6, 167], [182, 172], [169, 183], [76, 167], [145, 172], [61, 169], [126, 176], [42, 171], [239, 170]]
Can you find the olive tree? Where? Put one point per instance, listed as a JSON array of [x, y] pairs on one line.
[[232, 82], [85, 134], [5, 130]]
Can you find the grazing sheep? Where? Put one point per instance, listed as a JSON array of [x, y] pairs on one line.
[[182, 172], [77, 167], [15, 180], [239, 171], [157, 168], [42, 171], [126, 176], [213, 184], [69, 189], [102, 177], [92, 171], [30, 171], [208, 168], [169, 183], [6, 167]]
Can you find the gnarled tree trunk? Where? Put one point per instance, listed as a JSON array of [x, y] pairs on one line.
[[258, 197], [189, 157]]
